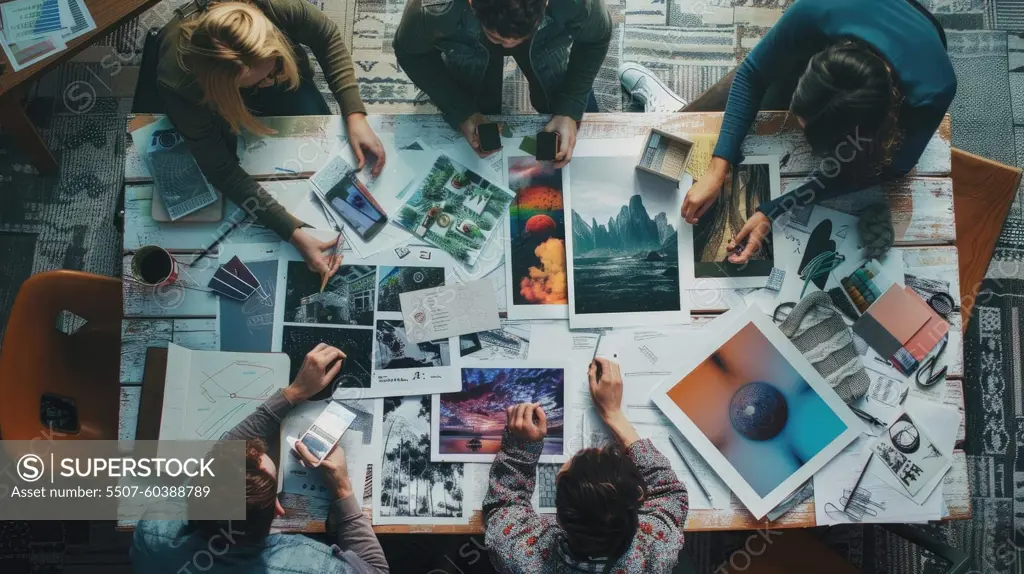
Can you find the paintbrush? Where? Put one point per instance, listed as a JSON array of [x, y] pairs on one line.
[[330, 263]]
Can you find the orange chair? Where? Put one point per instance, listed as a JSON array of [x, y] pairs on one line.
[[70, 380]]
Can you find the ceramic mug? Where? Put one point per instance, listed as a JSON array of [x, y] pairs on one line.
[[154, 266]]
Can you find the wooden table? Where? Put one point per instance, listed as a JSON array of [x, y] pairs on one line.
[[107, 14], [922, 212]]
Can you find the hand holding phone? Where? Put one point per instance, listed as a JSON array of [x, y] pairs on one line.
[[334, 468], [547, 146], [326, 431], [489, 137]]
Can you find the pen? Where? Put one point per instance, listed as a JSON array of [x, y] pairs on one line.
[[330, 262], [866, 417], [696, 478], [209, 248]]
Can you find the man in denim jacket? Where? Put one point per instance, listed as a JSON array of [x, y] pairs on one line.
[[454, 49], [179, 547]]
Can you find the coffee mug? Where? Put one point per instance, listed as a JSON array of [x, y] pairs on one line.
[[154, 266]]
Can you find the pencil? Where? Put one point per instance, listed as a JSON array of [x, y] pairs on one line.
[[330, 263], [696, 478], [863, 471]]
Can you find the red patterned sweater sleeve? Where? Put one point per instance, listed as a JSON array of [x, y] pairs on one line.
[[664, 511], [519, 539]]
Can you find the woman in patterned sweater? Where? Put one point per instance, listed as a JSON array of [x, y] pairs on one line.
[[620, 508]]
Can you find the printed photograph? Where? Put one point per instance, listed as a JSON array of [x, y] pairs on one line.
[[757, 410], [357, 344], [347, 299], [472, 421], [625, 252], [247, 326], [395, 280], [395, 351], [412, 485], [747, 187], [454, 209], [536, 233]]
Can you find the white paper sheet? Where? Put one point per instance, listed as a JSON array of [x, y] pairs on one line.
[[840, 474], [80, 21], [430, 495], [27, 52], [358, 312], [207, 393], [27, 20], [450, 311]]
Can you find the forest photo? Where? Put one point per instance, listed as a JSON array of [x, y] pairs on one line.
[[411, 485], [455, 209]]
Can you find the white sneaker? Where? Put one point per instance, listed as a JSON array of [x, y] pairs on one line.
[[642, 84]]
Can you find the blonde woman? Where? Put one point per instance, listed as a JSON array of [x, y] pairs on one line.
[[227, 62]]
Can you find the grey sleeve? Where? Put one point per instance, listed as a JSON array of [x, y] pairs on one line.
[[264, 422], [352, 533]]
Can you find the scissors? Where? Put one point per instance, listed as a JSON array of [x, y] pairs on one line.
[[928, 366]]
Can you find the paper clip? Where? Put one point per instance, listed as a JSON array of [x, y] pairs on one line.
[[858, 504]]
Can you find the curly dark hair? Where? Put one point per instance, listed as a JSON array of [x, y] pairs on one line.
[[510, 19], [847, 90], [260, 499], [598, 498]]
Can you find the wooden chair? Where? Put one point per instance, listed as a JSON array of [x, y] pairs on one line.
[[58, 385], [982, 193]]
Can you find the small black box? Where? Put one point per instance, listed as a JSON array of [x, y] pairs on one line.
[[547, 146], [489, 136]]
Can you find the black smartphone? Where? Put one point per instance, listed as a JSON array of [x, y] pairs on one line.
[[489, 136], [357, 207], [547, 146]]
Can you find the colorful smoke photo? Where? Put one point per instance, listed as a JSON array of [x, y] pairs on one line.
[[537, 233]]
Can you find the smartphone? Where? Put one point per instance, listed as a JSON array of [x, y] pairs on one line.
[[489, 136], [357, 207], [327, 429], [547, 146]]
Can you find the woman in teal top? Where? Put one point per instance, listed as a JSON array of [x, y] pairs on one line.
[[868, 80]]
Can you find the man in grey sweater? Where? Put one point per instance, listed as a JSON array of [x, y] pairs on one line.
[[175, 546]]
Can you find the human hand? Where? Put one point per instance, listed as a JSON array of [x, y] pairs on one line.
[[363, 140], [753, 233], [468, 129], [565, 127], [318, 369], [520, 420], [605, 386], [316, 253], [703, 194], [334, 468]]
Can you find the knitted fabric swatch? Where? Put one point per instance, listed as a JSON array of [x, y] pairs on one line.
[[818, 330]]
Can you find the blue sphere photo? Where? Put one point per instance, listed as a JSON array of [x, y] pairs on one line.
[[758, 411]]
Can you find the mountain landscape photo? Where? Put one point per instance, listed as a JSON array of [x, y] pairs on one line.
[[625, 252], [473, 420]]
